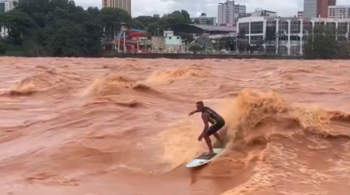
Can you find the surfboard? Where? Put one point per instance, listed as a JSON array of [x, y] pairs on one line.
[[204, 159]]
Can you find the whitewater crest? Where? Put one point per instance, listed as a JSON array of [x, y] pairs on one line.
[[45, 79], [171, 75]]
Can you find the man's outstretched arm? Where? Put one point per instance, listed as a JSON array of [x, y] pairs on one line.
[[193, 112]]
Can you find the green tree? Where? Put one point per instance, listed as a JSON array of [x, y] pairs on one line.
[[195, 48], [60, 28], [321, 44], [146, 20], [187, 37], [55, 27]]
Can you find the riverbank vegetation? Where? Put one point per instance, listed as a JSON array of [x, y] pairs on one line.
[[60, 28], [326, 44]]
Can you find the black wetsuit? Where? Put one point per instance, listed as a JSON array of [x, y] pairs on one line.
[[215, 119]]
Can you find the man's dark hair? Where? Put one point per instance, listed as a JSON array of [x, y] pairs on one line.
[[200, 102]]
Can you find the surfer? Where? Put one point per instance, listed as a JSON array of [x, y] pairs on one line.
[[209, 115]]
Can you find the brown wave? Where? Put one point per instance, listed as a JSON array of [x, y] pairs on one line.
[[114, 84], [171, 75], [45, 79], [260, 125], [122, 90]]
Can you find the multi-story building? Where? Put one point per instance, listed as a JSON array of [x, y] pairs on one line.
[[2, 7], [317, 8], [240, 9], [310, 8], [122, 4], [2, 11], [6, 6], [339, 11], [9, 5], [288, 34], [226, 13], [203, 19], [229, 12]]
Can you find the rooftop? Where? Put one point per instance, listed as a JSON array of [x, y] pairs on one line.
[[261, 18], [339, 6], [207, 28]]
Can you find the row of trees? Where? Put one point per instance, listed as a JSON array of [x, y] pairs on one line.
[[60, 28], [323, 44]]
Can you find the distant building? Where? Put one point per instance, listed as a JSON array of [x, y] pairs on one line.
[[289, 33], [172, 43], [240, 9], [9, 5], [6, 6], [339, 11], [2, 11], [263, 13], [2, 7], [203, 19], [317, 8], [300, 14], [122, 4], [156, 15], [229, 12]]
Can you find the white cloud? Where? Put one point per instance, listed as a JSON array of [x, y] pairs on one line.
[[150, 7]]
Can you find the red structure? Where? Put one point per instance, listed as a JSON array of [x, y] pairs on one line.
[[131, 38], [322, 7]]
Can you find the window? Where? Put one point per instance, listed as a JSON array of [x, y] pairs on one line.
[[256, 27], [307, 27], [330, 26], [256, 39], [295, 27], [318, 25], [243, 28], [294, 38], [283, 26], [342, 27]]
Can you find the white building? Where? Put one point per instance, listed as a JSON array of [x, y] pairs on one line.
[[8, 6], [203, 19], [292, 32], [173, 43], [226, 13], [339, 11]]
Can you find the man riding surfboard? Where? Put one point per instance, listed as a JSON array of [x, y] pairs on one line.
[[209, 115]]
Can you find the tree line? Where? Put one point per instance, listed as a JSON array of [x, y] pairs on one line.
[[60, 28], [326, 44]]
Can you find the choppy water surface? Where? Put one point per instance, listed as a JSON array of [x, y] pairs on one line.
[[121, 126]]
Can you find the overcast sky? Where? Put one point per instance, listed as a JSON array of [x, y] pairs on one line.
[[195, 7]]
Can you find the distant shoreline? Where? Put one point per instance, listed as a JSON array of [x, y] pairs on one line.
[[184, 56], [196, 56]]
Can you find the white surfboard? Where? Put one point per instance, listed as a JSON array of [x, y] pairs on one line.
[[204, 159]]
